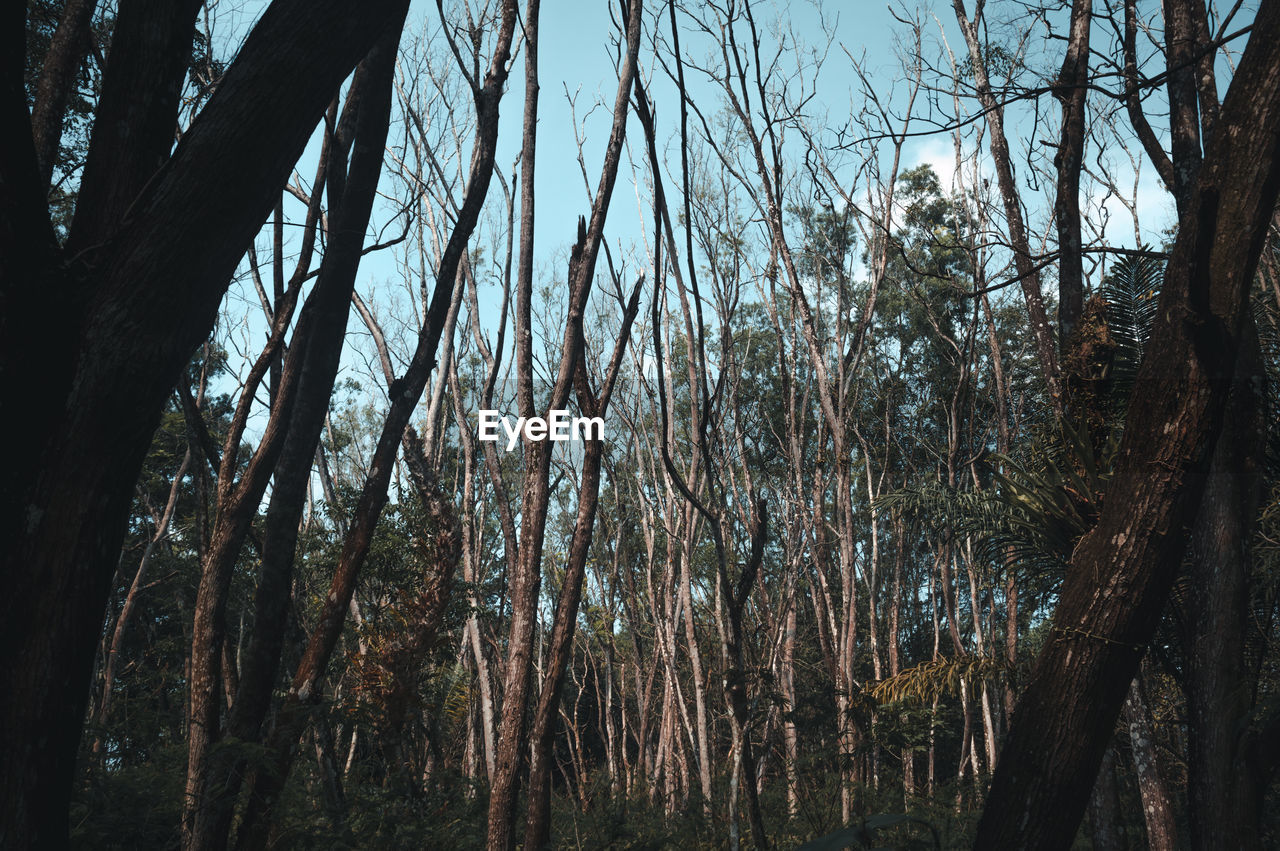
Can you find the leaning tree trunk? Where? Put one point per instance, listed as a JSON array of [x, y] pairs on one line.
[[306, 688], [213, 783], [1121, 572], [155, 241]]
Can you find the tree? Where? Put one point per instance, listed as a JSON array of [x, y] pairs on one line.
[[571, 373], [1122, 570], [113, 315]]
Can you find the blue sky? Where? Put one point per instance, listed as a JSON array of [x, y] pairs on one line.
[[576, 60]]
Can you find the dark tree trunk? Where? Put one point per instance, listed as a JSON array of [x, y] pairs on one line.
[[1072, 91], [1104, 808], [92, 342], [57, 80], [307, 684], [538, 823], [137, 118], [1222, 790], [526, 579], [312, 366], [1121, 572], [1028, 271]]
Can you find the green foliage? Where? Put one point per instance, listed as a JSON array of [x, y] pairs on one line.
[[134, 806], [1131, 292], [1036, 511]]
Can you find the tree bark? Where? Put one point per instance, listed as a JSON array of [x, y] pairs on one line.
[[137, 118], [1028, 274], [1157, 806], [1121, 572], [212, 787], [1104, 807], [1221, 787], [526, 575], [538, 823], [58, 74], [306, 686], [1071, 89]]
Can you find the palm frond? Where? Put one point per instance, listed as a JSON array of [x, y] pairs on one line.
[[933, 679], [1131, 292]]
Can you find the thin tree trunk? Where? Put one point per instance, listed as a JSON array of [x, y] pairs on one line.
[[1071, 89], [362, 131], [1028, 272], [131, 598], [306, 685], [1157, 806], [67, 49], [1104, 808]]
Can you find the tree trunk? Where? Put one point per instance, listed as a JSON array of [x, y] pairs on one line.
[[1104, 808], [115, 332], [1072, 90], [58, 74], [1121, 572], [308, 374], [306, 687], [1028, 272], [1157, 806], [1222, 792], [131, 598]]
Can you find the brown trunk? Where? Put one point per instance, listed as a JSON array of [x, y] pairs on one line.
[[1071, 89], [524, 568], [1121, 572], [1028, 272], [538, 823], [306, 384], [1157, 806], [1104, 808], [307, 680], [525, 578], [58, 74]]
